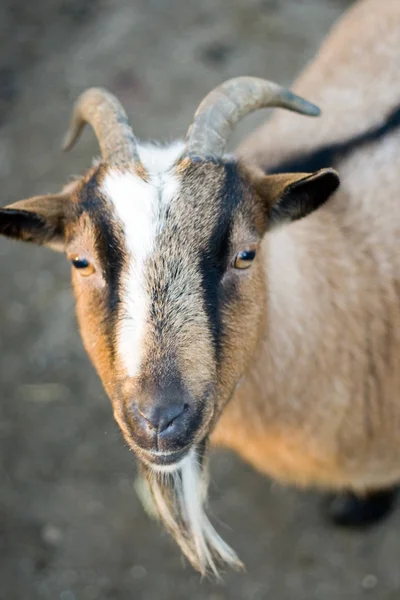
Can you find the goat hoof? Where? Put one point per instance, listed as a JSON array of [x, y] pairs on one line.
[[349, 510]]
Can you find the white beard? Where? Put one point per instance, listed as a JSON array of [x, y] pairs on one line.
[[179, 497]]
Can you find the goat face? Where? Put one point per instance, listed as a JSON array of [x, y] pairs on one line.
[[168, 311], [181, 295]]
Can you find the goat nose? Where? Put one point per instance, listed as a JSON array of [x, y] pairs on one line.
[[163, 420], [161, 417]]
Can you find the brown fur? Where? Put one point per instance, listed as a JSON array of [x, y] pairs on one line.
[[324, 388]]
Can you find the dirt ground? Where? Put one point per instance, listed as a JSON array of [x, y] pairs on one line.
[[71, 527]]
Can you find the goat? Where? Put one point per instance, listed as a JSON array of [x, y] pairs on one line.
[[220, 303]]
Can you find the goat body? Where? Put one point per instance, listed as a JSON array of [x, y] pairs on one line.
[[320, 405]]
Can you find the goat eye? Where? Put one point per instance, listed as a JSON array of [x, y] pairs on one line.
[[84, 267], [244, 259]]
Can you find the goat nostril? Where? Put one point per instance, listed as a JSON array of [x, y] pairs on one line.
[[171, 415], [161, 418], [173, 418], [150, 423]]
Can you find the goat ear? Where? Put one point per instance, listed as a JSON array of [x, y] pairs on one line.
[[290, 197], [40, 219]]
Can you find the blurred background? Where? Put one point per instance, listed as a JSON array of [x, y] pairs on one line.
[[71, 527]]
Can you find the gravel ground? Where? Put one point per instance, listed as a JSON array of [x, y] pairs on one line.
[[71, 527]]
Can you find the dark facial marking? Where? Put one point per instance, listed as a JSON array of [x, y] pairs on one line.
[[214, 258], [109, 249]]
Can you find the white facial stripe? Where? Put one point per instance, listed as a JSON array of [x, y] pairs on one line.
[[135, 203], [140, 206]]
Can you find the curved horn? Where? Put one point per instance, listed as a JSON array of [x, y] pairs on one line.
[[108, 119], [224, 106]]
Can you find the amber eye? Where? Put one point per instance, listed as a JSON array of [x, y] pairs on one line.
[[244, 259], [84, 267]]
